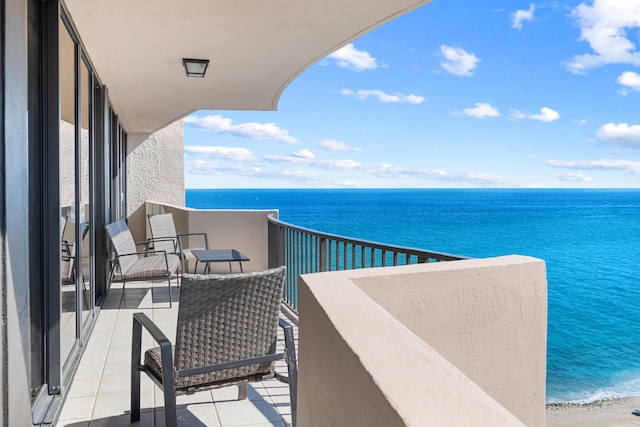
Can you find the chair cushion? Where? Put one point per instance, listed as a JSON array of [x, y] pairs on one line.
[[153, 266], [153, 363]]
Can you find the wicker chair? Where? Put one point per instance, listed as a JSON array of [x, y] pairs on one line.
[[138, 265], [163, 227], [226, 335]]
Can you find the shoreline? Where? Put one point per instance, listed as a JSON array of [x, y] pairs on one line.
[[609, 412]]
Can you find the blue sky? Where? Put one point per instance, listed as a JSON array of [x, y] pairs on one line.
[[456, 94]]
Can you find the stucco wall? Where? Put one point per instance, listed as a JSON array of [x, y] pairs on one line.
[[487, 317], [482, 329], [243, 230], [155, 171]]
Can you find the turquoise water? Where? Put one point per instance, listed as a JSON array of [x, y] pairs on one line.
[[588, 238]]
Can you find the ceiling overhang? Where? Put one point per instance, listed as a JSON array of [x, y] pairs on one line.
[[255, 47]]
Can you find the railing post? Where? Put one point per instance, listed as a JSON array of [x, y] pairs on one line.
[[276, 245], [323, 254]]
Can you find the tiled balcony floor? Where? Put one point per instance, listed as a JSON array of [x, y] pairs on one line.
[[99, 393]]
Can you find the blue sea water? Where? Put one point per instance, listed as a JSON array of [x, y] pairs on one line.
[[588, 238]]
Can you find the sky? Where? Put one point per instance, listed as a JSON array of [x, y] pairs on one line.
[[455, 94]]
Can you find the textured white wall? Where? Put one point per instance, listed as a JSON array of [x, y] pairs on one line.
[[155, 171]]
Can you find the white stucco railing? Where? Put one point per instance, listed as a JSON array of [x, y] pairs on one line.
[[448, 344], [244, 230]]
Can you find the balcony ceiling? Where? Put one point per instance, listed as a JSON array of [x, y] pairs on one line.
[[256, 48]]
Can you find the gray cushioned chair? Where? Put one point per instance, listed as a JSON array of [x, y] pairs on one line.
[[163, 230], [226, 334], [138, 265]]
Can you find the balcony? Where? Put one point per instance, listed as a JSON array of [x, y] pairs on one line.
[[412, 343], [99, 394]]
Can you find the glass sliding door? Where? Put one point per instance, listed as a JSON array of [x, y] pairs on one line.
[[118, 169], [69, 141], [77, 271], [86, 273], [70, 217]]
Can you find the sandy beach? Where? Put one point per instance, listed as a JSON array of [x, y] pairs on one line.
[[616, 412]]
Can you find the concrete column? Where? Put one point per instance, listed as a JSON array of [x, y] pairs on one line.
[[155, 171]]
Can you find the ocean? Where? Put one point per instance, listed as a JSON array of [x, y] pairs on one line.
[[588, 238]]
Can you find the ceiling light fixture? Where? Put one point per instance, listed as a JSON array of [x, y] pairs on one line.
[[195, 67]]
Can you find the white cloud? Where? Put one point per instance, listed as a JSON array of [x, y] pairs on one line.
[[288, 159], [517, 115], [384, 97], [546, 115], [604, 25], [303, 154], [621, 135], [300, 175], [458, 61], [257, 131], [203, 167], [237, 154], [519, 16], [385, 170], [479, 178], [572, 176], [312, 179], [482, 110], [604, 164], [319, 163], [342, 166], [353, 59], [339, 164], [333, 145], [630, 80]]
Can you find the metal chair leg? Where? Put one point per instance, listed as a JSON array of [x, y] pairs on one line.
[[168, 386], [292, 368], [136, 344]]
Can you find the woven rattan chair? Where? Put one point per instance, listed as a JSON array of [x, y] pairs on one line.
[[226, 334], [138, 265], [163, 227]]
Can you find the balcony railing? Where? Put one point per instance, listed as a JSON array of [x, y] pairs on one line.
[[304, 251]]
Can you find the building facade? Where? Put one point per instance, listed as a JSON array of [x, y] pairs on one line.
[[92, 97], [65, 174]]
